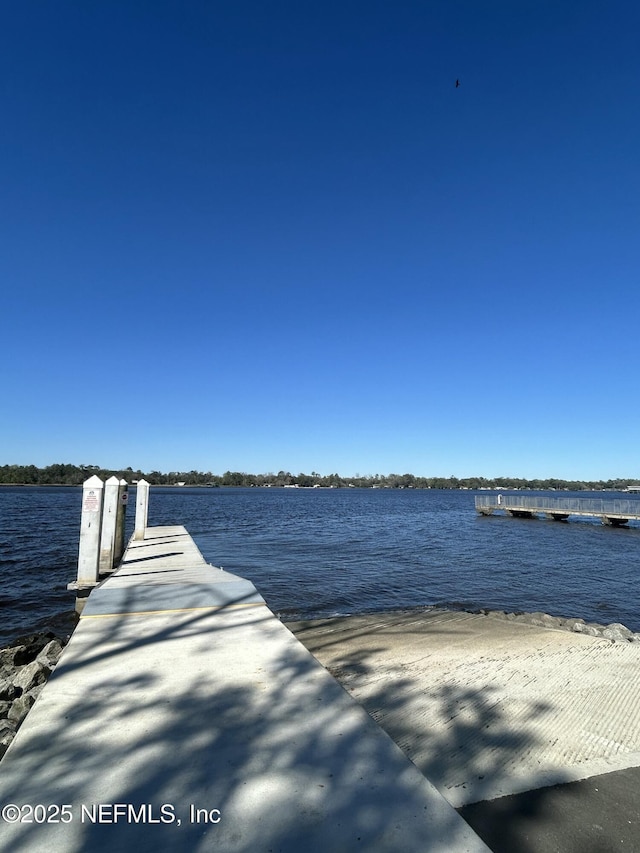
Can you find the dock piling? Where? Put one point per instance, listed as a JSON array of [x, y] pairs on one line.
[[109, 522], [123, 498], [90, 530], [142, 509]]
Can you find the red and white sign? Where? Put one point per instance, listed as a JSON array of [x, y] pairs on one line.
[[91, 502]]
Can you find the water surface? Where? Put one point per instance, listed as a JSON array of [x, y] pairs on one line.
[[322, 552]]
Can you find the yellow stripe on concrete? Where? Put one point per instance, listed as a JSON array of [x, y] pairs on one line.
[[172, 610]]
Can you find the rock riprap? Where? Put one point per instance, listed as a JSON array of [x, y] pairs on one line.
[[25, 666], [615, 632]]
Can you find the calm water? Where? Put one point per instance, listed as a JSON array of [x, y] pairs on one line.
[[324, 552]]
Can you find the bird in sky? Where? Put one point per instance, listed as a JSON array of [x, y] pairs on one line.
[[457, 83]]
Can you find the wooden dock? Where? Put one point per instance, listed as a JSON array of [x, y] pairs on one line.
[[616, 512]]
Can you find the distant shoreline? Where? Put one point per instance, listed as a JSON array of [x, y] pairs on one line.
[[346, 486], [63, 474]]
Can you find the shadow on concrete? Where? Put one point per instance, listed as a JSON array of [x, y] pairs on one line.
[[473, 741], [147, 573], [268, 742], [152, 537], [152, 557], [596, 815], [479, 741]]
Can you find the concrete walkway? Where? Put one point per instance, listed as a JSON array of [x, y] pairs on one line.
[[184, 716]]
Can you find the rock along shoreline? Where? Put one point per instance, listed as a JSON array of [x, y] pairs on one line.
[[615, 631], [25, 665]]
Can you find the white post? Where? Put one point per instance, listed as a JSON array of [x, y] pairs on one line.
[[108, 534], [123, 497], [90, 525], [142, 509]]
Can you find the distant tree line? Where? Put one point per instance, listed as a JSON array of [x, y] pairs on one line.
[[75, 475], [60, 474]]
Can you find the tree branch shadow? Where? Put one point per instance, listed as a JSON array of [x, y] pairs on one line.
[[452, 731], [270, 740]]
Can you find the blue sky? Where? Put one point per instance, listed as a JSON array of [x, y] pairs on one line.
[[275, 236]]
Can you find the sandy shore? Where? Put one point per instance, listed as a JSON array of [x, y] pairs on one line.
[[488, 705]]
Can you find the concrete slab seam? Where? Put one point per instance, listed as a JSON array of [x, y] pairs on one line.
[[169, 610]]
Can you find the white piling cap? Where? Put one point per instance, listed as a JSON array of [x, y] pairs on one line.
[[93, 483]]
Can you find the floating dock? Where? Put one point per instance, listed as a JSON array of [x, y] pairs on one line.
[[615, 512], [183, 715]]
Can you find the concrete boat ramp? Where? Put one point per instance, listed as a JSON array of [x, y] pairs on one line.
[[487, 707], [532, 732], [183, 715]]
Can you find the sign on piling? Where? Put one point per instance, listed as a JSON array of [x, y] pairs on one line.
[[90, 529], [142, 509]]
